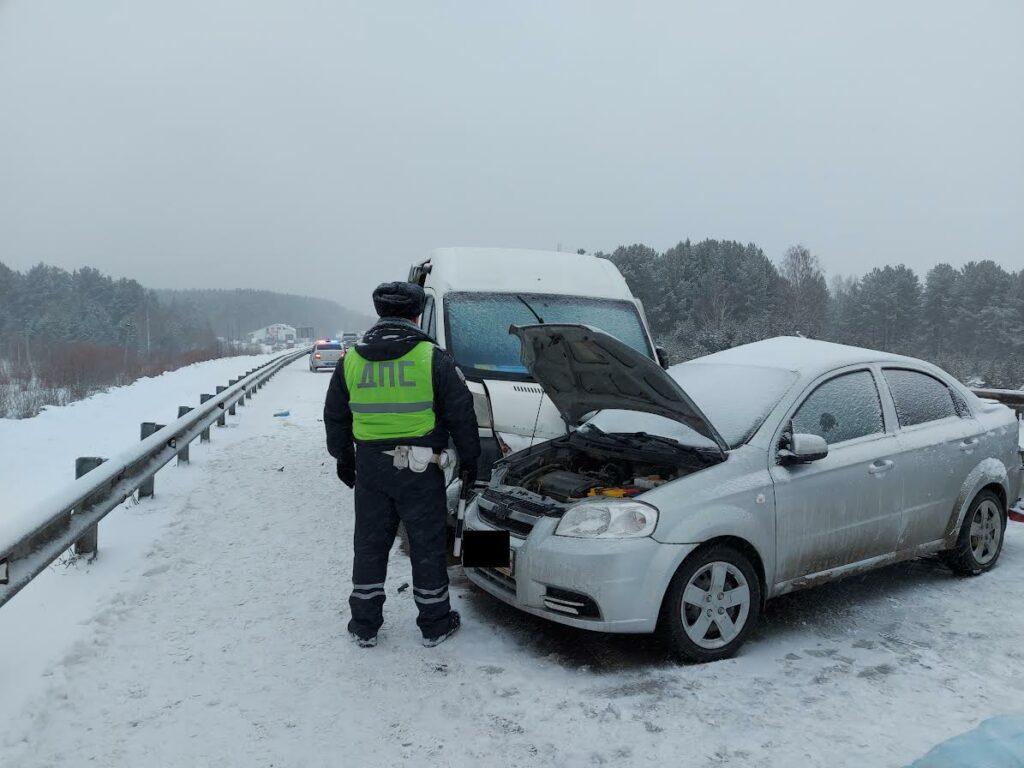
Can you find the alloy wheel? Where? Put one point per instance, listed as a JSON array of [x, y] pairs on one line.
[[716, 604], [986, 532]]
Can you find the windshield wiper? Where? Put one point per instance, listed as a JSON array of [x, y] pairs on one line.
[[532, 310]]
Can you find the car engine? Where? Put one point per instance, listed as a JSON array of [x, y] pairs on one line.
[[575, 467]]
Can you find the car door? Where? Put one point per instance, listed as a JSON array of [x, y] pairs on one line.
[[939, 442], [845, 507]]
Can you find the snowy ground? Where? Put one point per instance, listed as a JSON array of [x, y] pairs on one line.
[[223, 643]]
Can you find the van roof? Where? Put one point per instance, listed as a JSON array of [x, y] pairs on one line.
[[512, 270]]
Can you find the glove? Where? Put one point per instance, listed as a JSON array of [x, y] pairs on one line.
[[347, 474]]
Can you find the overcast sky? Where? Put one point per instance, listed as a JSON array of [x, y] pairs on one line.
[[320, 147]]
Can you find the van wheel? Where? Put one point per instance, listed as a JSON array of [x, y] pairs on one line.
[[981, 536], [713, 602]]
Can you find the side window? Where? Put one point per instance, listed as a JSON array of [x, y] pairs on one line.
[[842, 408], [919, 398], [427, 321]]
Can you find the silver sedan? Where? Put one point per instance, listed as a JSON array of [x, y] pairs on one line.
[[683, 500]]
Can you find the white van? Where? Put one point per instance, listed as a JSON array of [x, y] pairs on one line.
[[475, 294]]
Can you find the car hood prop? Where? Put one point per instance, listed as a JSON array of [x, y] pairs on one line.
[[583, 369]]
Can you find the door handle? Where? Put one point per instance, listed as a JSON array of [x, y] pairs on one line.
[[880, 467], [969, 444]]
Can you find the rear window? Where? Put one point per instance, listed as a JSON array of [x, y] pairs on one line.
[[919, 398], [329, 345]]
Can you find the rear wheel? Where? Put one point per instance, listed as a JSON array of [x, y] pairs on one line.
[[981, 536], [712, 604]]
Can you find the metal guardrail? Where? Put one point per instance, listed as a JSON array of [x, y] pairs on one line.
[[30, 541], [1014, 398]]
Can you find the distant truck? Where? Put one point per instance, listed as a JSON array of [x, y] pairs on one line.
[[475, 294]]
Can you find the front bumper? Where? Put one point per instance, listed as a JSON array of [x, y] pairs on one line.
[[625, 578]]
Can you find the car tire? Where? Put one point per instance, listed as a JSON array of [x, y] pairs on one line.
[[692, 631], [981, 536]]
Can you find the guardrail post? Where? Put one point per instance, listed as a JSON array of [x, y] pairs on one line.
[[231, 408], [89, 542], [145, 430], [220, 419], [204, 436], [183, 453]]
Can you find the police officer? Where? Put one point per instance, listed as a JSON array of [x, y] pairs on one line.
[[398, 391]]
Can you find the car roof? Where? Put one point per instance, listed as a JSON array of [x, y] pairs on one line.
[[515, 270], [808, 357]]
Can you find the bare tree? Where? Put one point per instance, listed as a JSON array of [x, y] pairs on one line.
[[808, 291]]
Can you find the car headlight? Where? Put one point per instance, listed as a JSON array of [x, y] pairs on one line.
[[608, 519]]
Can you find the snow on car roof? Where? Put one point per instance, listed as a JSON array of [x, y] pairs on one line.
[[808, 357], [510, 270]]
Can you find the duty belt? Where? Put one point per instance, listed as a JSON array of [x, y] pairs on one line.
[[419, 457]]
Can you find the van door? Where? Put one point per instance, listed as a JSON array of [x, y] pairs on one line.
[[845, 507]]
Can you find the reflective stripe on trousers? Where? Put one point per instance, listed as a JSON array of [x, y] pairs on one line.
[[367, 591]]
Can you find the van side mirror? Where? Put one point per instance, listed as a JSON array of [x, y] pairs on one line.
[[662, 356], [803, 449]]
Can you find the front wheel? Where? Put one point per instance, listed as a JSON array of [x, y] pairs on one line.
[[712, 604], [981, 536]]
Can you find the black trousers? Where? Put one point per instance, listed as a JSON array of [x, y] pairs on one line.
[[384, 496]]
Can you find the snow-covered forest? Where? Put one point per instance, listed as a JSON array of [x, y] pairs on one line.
[[710, 295], [65, 335]]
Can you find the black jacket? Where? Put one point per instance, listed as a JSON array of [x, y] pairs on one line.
[[391, 338]]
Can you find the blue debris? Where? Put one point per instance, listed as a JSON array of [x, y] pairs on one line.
[[996, 743], [283, 413]]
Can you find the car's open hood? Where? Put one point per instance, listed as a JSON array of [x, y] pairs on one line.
[[583, 369]]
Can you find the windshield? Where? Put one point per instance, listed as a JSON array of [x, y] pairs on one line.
[[478, 323], [735, 398]]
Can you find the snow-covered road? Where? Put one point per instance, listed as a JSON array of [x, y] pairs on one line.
[[223, 644]]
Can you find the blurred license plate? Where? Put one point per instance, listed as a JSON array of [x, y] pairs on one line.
[[487, 549], [511, 570]]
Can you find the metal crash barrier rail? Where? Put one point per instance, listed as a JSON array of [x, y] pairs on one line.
[[1013, 398], [34, 538]]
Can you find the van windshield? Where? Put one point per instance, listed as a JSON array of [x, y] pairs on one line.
[[477, 327]]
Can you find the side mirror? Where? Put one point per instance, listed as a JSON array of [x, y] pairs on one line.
[[804, 448], [662, 356]]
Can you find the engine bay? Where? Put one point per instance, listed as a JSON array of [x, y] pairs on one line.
[[582, 466]]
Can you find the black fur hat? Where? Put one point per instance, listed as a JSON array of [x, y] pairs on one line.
[[399, 300]]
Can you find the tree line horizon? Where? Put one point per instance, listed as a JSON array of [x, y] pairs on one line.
[[703, 297]]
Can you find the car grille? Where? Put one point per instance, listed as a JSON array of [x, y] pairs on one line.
[[509, 513], [514, 502], [498, 578], [517, 527]]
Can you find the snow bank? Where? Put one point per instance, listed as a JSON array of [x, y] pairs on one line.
[[64, 602], [38, 454]]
